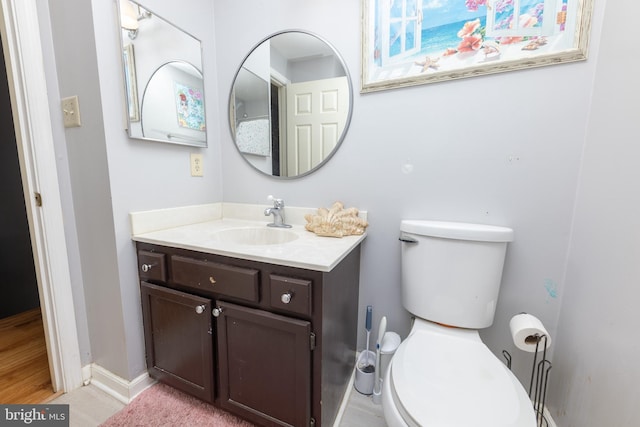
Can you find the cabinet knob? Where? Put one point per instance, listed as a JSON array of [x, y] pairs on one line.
[[146, 267], [216, 311], [286, 297], [200, 308]]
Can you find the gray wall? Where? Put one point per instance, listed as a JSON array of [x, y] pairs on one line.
[[86, 148], [595, 375], [64, 180]]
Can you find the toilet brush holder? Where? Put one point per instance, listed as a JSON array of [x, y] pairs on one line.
[[365, 372], [377, 392]]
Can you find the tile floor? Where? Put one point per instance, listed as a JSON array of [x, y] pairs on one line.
[[89, 407]]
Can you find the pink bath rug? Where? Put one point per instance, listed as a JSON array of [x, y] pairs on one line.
[[161, 405]]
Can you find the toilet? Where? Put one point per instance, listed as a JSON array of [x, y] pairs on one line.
[[442, 374]]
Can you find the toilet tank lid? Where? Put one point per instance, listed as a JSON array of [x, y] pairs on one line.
[[458, 230]]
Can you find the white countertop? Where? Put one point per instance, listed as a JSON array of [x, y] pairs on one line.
[[165, 227]]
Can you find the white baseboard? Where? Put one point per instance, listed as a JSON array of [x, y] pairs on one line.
[[123, 390], [86, 374]]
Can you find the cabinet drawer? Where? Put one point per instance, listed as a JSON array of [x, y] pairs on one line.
[[222, 279], [152, 266], [291, 294]]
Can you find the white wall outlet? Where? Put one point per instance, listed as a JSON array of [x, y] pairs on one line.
[[196, 165], [71, 112]]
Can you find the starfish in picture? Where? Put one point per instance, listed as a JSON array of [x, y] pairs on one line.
[[428, 63], [535, 44]]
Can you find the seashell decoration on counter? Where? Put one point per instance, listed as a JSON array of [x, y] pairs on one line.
[[336, 221]]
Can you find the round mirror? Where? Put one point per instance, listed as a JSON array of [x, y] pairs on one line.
[[177, 84], [290, 104]]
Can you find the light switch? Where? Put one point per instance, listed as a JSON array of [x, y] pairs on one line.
[[71, 112], [196, 165]]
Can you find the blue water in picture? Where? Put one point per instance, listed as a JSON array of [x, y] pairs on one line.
[[435, 40]]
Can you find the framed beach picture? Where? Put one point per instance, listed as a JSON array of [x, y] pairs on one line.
[[189, 107], [411, 42]]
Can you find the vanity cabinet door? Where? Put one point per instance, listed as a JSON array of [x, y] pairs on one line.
[[178, 338], [264, 363]]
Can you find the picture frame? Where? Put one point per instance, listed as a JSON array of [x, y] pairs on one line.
[[189, 101], [414, 42], [130, 83]]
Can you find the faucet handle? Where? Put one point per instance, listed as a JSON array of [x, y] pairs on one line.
[[277, 203]]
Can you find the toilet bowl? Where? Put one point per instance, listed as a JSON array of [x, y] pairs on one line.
[[447, 377]]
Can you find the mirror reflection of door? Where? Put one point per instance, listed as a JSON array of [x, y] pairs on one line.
[[279, 84], [275, 130], [316, 116]]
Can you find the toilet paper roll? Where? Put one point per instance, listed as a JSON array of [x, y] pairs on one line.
[[526, 330]]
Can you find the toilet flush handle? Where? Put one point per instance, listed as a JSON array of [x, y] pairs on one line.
[[406, 239]]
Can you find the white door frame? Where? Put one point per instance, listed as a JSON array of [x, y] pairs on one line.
[[29, 100]]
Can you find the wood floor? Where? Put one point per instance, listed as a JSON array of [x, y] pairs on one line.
[[24, 367]]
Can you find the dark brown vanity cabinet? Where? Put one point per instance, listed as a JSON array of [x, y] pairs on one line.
[[272, 344], [178, 330]]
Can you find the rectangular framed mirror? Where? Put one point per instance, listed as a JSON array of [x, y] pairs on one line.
[[164, 82]]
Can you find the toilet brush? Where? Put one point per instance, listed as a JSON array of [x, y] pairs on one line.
[[367, 326], [377, 385]]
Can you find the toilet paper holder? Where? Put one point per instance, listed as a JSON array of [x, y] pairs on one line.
[[539, 377]]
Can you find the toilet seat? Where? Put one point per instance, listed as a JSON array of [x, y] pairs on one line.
[[443, 376]]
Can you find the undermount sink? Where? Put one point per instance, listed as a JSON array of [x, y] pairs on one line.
[[255, 236]]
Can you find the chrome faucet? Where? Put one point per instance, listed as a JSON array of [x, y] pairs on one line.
[[278, 213]]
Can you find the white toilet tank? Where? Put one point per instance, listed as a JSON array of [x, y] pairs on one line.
[[451, 271]]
